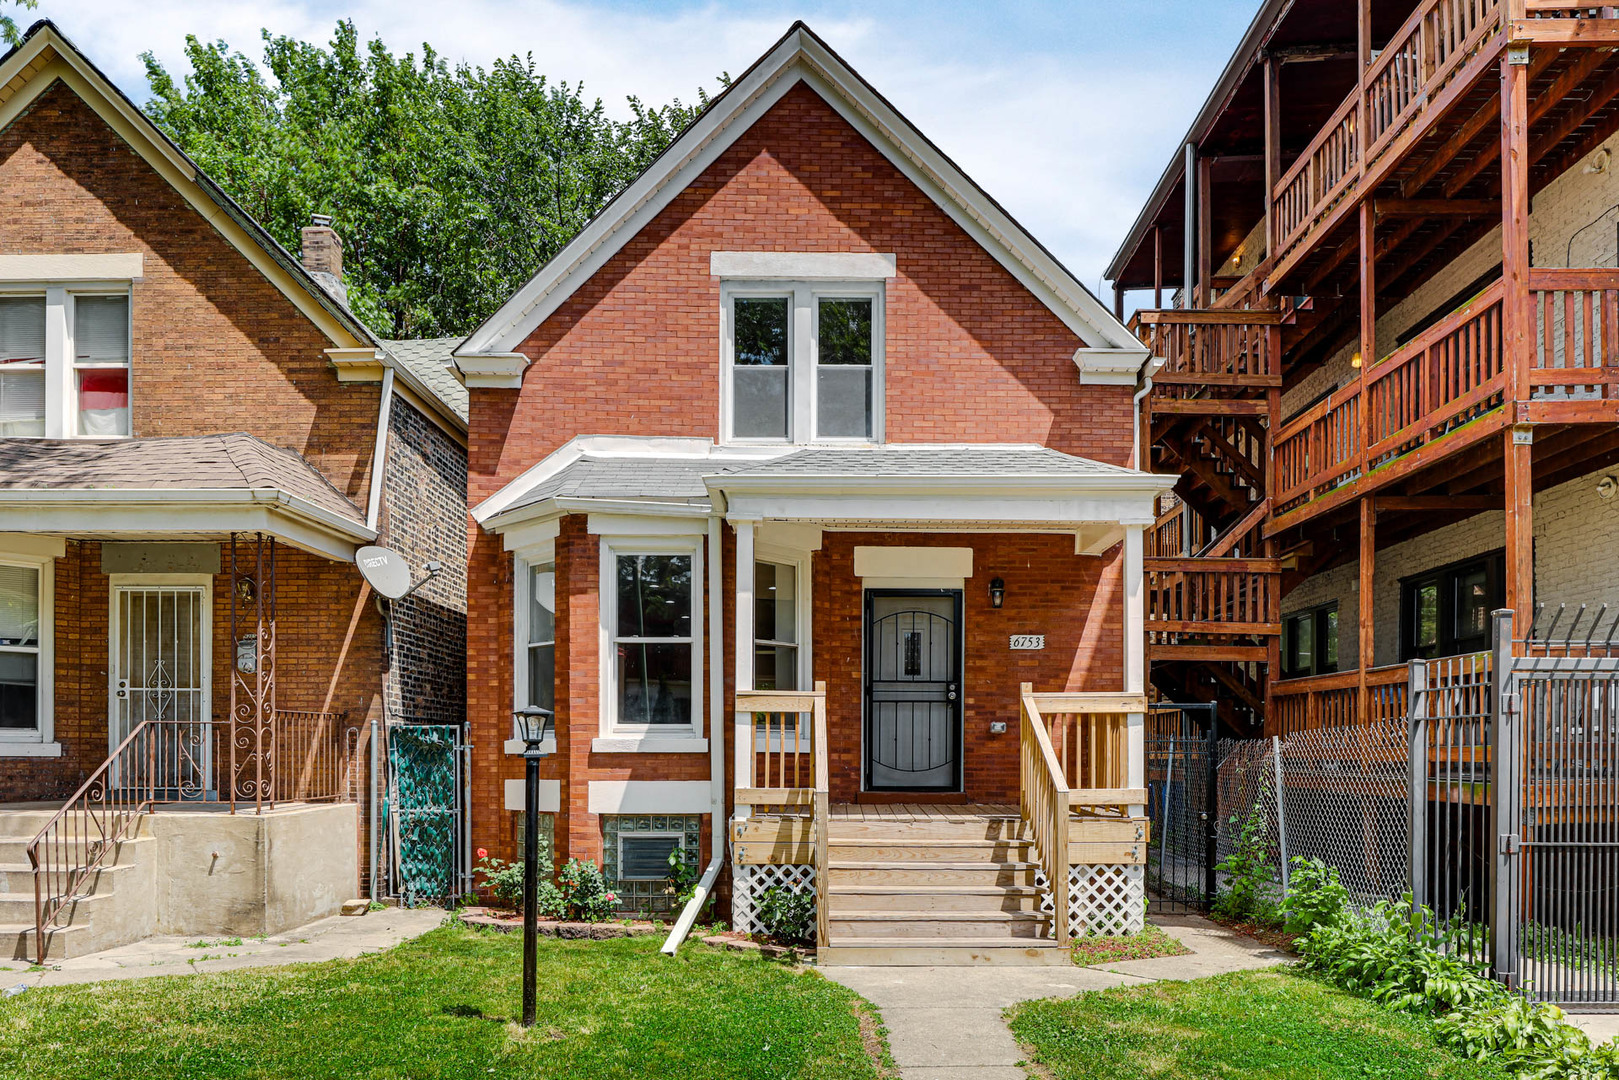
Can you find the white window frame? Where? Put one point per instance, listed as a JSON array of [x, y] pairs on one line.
[[803, 355], [611, 548], [61, 367], [522, 571], [804, 627], [38, 741]]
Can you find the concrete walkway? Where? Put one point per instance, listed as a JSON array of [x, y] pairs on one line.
[[947, 1023], [338, 937]]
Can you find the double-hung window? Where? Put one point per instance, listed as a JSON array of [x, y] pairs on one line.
[[804, 362], [73, 382], [775, 626], [652, 625], [25, 676], [541, 648]]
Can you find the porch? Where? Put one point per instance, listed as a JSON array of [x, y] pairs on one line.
[[912, 882]]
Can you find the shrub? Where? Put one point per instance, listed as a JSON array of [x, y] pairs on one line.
[[504, 880], [1391, 954], [1315, 897], [584, 892], [683, 878], [1249, 880], [788, 916]]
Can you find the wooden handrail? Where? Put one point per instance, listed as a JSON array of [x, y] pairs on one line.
[[1043, 802]]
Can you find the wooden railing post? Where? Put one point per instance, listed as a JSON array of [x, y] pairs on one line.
[[823, 818]]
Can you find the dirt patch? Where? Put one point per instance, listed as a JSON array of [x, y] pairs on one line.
[[874, 1037], [506, 922], [1267, 935]]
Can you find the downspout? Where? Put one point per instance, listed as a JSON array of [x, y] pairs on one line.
[[373, 513], [1189, 232], [1149, 368]]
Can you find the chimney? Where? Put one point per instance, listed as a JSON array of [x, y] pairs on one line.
[[323, 256]]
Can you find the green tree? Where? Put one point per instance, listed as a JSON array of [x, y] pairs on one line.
[[8, 26], [449, 186]]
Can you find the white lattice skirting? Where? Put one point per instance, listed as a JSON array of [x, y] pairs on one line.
[[1102, 899], [748, 882]]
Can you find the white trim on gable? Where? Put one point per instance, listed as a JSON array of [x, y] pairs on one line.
[[803, 265], [800, 56]]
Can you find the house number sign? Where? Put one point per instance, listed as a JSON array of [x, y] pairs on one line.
[[1028, 641]]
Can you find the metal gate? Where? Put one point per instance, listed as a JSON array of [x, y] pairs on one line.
[[1182, 792], [1557, 824], [427, 783]]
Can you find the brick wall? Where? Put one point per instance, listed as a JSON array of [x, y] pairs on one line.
[[424, 482], [216, 346], [971, 356], [326, 658], [1573, 565]]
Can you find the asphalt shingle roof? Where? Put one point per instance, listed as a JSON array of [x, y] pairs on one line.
[[429, 360], [236, 461], [675, 479], [930, 460]]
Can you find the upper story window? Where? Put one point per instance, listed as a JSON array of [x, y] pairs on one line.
[[804, 362], [71, 383]]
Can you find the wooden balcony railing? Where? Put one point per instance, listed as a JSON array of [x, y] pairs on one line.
[[1213, 596], [1074, 755], [790, 772], [1212, 348], [1418, 61], [1576, 324], [1319, 701]]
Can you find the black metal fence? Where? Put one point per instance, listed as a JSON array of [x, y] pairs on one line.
[[1182, 754]]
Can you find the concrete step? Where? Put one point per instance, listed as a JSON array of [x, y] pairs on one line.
[[933, 898], [865, 952], [18, 907], [62, 943], [888, 849], [888, 872], [938, 926], [14, 853], [19, 877], [24, 824]]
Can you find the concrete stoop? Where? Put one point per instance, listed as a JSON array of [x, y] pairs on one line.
[[114, 909]]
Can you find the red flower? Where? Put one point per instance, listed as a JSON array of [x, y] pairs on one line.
[[483, 853]]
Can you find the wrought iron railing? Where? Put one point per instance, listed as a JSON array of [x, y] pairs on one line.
[[165, 761]]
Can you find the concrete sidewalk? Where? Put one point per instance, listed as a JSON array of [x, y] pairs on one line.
[[334, 938], [947, 1023]]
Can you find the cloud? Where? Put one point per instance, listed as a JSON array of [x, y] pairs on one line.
[[1068, 134]]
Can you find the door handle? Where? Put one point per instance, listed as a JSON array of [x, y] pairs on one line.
[[950, 692], [123, 688]]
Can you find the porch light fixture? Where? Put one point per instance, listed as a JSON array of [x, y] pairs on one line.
[[534, 724], [1355, 361], [997, 592]]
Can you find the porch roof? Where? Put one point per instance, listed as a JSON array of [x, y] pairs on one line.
[[169, 487]]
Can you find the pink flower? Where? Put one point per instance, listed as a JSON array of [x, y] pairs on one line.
[[483, 853]]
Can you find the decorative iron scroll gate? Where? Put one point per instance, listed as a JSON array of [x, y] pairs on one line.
[[1182, 755], [427, 783]]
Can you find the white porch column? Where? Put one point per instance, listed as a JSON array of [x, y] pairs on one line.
[[1135, 652], [744, 641], [716, 685]]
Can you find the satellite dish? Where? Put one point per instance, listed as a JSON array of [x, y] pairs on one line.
[[384, 570]]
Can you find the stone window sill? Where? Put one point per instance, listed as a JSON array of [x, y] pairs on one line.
[[21, 749]]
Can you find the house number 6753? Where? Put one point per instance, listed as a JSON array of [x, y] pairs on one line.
[[1028, 641]]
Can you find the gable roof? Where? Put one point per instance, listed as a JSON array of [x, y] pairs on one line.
[[46, 56], [802, 57]]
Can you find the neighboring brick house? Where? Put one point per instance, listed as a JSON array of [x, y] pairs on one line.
[[191, 426], [801, 405]]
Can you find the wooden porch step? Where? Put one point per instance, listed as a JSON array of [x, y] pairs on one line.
[[937, 925], [920, 829], [885, 872], [850, 898], [960, 952], [892, 849]]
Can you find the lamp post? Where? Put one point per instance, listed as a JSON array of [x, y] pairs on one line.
[[533, 724]]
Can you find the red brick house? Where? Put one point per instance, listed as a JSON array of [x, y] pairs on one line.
[[195, 437], [804, 406]]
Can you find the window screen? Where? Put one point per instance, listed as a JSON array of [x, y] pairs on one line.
[[843, 376], [645, 856]]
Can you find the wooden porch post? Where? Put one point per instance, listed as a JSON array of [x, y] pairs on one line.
[[1205, 231], [1157, 266], [1135, 660], [1118, 301], [1273, 147], [1516, 324], [1368, 324], [1363, 51], [1189, 173], [1368, 567]]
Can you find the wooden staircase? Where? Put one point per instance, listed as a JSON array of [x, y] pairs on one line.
[[934, 885]]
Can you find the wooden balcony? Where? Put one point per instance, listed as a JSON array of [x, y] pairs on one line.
[[1320, 701], [1231, 351], [1423, 122], [1446, 389], [1196, 607]]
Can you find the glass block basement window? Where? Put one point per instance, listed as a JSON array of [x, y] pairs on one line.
[[635, 852], [547, 834]]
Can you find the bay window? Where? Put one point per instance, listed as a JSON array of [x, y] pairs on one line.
[[73, 381], [803, 361], [652, 630]]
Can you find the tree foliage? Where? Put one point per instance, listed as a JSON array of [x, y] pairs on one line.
[[9, 34], [449, 186]]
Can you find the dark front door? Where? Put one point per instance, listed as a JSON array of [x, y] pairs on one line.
[[913, 690]]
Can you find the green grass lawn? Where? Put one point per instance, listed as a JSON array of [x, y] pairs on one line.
[[443, 1006], [1275, 1024]]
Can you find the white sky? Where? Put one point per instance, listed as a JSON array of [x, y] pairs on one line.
[[1064, 112]]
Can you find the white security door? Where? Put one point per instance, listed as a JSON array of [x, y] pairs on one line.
[[159, 673]]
